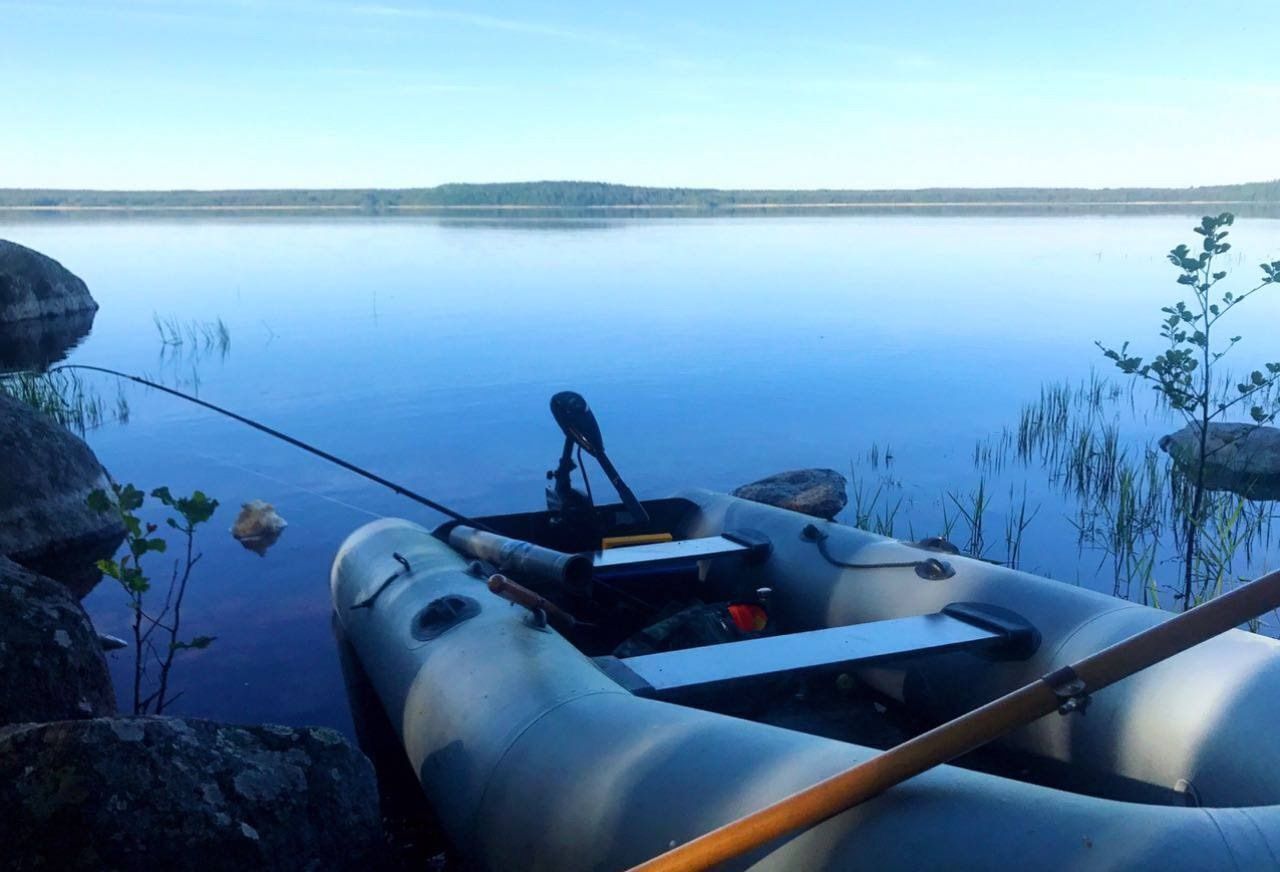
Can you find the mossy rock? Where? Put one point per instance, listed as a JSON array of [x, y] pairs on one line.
[[51, 665], [816, 492], [166, 793], [1242, 458]]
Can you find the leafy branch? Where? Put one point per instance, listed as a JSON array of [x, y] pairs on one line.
[[149, 648], [1183, 374]]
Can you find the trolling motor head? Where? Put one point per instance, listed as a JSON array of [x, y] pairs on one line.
[[579, 424], [580, 428]]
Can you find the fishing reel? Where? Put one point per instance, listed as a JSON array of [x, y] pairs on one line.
[[567, 504]]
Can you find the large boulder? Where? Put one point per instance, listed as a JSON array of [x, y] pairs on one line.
[[46, 475], [816, 492], [35, 286], [164, 793], [51, 665], [1242, 458]]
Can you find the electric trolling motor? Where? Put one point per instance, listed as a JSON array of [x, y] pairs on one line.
[[566, 503]]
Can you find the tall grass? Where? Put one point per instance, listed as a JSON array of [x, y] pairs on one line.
[[873, 508], [1124, 499], [66, 398], [973, 508], [1017, 520], [194, 334]]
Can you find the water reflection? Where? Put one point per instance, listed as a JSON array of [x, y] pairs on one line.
[[717, 351], [38, 343]]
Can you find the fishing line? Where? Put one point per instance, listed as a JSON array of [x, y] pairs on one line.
[[284, 437], [289, 484]]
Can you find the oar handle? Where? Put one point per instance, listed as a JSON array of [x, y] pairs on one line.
[[522, 596], [972, 730]]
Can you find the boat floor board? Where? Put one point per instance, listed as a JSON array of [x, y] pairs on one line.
[[659, 674]]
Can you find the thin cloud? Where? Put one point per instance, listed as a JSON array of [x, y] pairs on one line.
[[233, 11], [489, 22]]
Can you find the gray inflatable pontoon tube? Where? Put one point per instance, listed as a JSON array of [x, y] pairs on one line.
[[534, 759]]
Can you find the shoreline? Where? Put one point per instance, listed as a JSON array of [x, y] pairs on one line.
[[682, 207]]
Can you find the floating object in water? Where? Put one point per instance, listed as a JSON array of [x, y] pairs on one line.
[[516, 730], [257, 527], [545, 718]]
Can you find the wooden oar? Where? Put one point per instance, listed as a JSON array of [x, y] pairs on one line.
[[1063, 690]]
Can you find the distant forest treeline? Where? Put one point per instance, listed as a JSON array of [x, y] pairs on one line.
[[597, 195]]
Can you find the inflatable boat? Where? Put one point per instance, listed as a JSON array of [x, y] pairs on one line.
[[585, 687]]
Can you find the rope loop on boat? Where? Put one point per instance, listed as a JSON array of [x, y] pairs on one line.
[[930, 568]]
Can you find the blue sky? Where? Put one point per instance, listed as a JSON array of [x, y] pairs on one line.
[[286, 93]]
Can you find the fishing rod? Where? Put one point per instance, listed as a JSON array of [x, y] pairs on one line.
[[285, 437]]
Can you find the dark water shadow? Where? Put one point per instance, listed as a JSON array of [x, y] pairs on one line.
[[38, 343]]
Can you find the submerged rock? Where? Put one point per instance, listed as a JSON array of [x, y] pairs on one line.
[[257, 527], [38, 343], [816, 492], [46, 475], [51, 665], [1242, 458], [165, 793], [35, 286]]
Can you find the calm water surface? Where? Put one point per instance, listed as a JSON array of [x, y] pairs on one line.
[[714, 352]]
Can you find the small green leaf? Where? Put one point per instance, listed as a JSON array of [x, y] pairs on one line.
[[196, 508], [130, 498], [99, 501]]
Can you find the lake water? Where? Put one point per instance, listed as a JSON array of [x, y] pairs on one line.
[[714, 352]]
